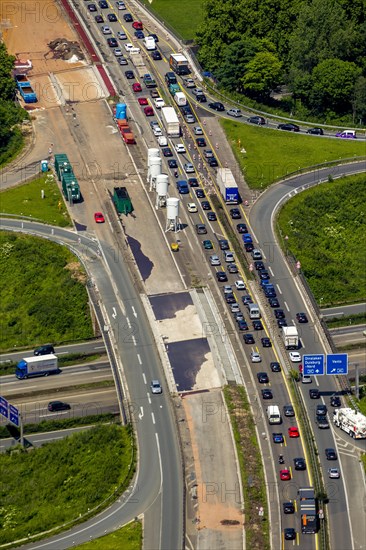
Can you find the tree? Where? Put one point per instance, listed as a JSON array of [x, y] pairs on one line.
[[359, 100], [7, 83], [262, 74], [233, 66]]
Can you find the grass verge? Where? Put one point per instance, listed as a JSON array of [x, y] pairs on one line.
[[13, 148], [251, 467], [42, 296], [350, 320], [182, 17], [363, 458], [26, 200], [78, 475], [326, 231], [128, 537], [270, 155]]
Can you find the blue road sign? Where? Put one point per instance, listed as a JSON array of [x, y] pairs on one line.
[[14, 415], [313, 365], [337, 363], [4, 407]]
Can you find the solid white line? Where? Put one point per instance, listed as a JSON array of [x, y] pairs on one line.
[[161, 484], [279, 290], [270, 270], [46, 439], [153, 417], [144, 377], [302, 343], [139, 359], [286, 306], [62, 352], [99, 347]]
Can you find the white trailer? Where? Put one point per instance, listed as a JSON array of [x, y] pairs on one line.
[[227, 185], [351, 422], [180, 99], [170, 121], [41, 365], [290, 337]]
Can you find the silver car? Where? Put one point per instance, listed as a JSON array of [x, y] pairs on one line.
[[155, 387], [189, 168], [198, 131], [215, 260], [334, 473], [255, 357], [234, 307]]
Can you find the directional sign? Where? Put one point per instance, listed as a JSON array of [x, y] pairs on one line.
[[337, 363], [14, 415], [4, 407], [313, 365]]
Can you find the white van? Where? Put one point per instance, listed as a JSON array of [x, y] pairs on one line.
[[348, 134], [274, 415], [180, 99], [149, 42], [254, 311]]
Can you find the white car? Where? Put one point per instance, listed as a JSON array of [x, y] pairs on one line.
[[306, 379], [128, 46], [192, 208], [198, 131], [106, 30], [234, 112], [179, 147], [155, 386], [122, 35], [228, 289], [189, 168], [197, 91], [189, 83], [162, 141], [118, 52], [121, 5], [334, 473], [235, 307], [295, 357], [157, 131], [229, 257], [159, 102], [215, 260], [255, 357], [239, 285]]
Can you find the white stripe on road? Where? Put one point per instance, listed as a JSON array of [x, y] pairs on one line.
[[153, 417], [139, 359], [144, 377], [279, 290], [270, 270], [286, 306]]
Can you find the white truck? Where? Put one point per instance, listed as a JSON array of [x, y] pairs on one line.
[[228, 186], [139, 64], [290, 337], [351, 422], [149, 42], [40, 365], [170, 121], [180, 99]]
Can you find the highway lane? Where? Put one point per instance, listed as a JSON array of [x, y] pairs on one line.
[[39, 439], [92, 346], [343, 311], [261, 219], [158, 489]]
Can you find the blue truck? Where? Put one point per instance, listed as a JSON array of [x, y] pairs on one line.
[[41, 365], [228, 186], [25, 89]]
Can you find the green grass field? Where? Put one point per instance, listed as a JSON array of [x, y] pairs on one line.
[[326, 229], [183, 17], [61, 481], [271, 154], [25, 200], [42, 293], [128, 537]]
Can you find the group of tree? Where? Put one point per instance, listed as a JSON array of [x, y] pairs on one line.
[[10, 111], [316, 48]]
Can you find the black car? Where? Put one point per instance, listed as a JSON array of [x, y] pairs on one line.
[[99, 19], [279, 314], [211, 216], [201, 98], [128, 18], [264, 275], [112, 17], [270, 293], [335, 401], [275, 366], [242, 228], [289, 533], [200, 194], [248, 247], [129, 74], [193, 182], [314, 393], [248, 338], [170, 78], [156, 55], [212, 162], [172, 163], [299, 463], [315, 131], [322, 422], [256, 120], [267, 394], [281, 323], [154, 36], [112, 42], [223, 244], [288, 507], [235, 213], [92, 7], [205, 205], [266, 342], [221, 276], [273, 302], [321, 410], [167, 152], [103, 4], [262, 377], [247, 299], [289, 127], [217, 106], [242, 325], [301, 318], [46, 349], [230, 298], [58, 406], [288, 410], [259, 265], [201, 142], [330, 454], [257, 324]]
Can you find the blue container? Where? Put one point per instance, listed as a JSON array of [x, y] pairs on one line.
[[44, 165], [121, 109]]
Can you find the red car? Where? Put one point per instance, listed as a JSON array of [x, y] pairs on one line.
[[136, 87], [285, 474], [149, 111], [137, 25], [99, 218], [293, 431], [143, 101]]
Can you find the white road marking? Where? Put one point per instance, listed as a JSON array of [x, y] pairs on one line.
[[134, 311], [47, 439], [270, 270], [141, 413], [99, 347], [139, 359], [316, 381], [144, 377], [134, 340], [128, 322], [279, 290], [286, 306], [153, 417], [302, 343], [62, 352], [149, 398], [114, 314]]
